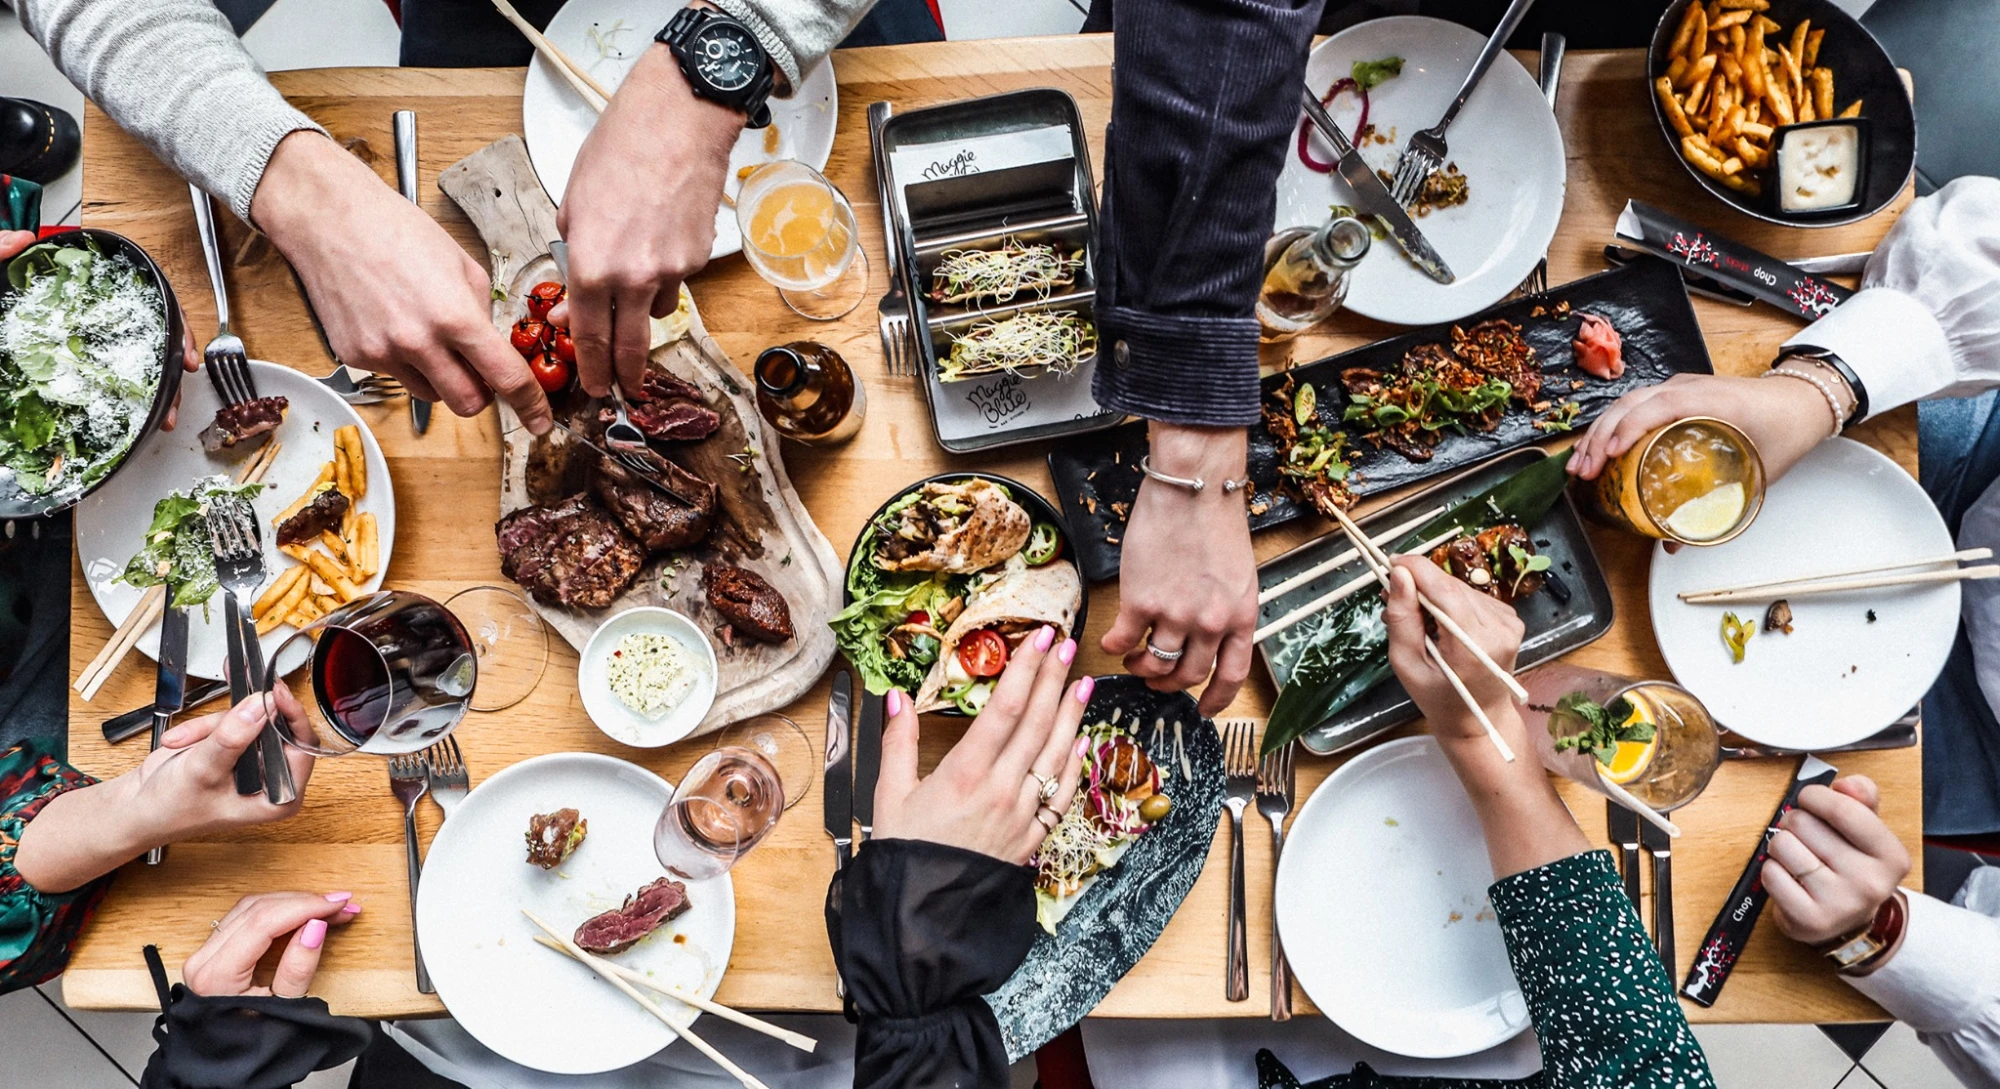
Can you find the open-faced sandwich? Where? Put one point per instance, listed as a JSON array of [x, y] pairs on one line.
[[1117, 800], [944, 585]]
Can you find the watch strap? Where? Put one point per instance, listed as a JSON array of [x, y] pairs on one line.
[[1859, 951], [1832, 359]]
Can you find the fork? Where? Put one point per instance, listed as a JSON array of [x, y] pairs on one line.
[[239, 567], [1239, 753], [449, 779], [1274, 801], [1553, 47], [228, 368], [409, 781], [1426, 150], [892, 314], [371, 389]]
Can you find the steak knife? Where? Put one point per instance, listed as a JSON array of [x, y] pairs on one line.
[[405, 125], [837, 790], [1661, 846], [130, 724], [249, 768], [867, 761], [1622, 826], [1371, 197], [633, 465], [279, 788], [170, 689]]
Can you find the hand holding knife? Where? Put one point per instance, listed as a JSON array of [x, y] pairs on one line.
[[1372, 198], [404, 124]]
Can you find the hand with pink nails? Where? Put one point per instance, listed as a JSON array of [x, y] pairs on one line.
[[1009, 779], [226, 964]]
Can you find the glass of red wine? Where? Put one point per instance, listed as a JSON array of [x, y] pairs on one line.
[[726, 804], [387, 673]]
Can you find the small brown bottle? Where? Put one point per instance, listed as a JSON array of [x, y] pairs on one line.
[[807, 392]]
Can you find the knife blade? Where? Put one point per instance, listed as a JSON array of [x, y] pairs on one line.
[[404, 122], [170, 688], [278, 786], [838, 788], [1622, 826], [1660, 845], [867, 761], [637, 470], [1371, 197], [249, 772], [130, 724]]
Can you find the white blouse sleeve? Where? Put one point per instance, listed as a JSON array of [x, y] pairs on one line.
[[1926, 322], [1945, 982]]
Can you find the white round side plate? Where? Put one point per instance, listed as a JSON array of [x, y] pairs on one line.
[[555, 119], [1505, 141], [532, 1004], [621, 723], [111, 522], [1381, 903], [1839, 677]]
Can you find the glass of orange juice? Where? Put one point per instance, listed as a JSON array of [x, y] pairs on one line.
[[799, 234]]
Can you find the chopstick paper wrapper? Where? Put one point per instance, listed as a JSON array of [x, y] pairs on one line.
[[1730, 932], [1729, 262]]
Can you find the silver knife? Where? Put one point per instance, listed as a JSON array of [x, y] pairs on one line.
[[249, 766], [405, 125], [279, 788], [837, 790], [1661, 846], [170, 690], [867, 761], [1371, 197], [1622, 826], [637, 470]]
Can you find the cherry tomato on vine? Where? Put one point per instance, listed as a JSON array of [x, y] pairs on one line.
[[560, 343], [542, 298], [553, 374], [528, 336]]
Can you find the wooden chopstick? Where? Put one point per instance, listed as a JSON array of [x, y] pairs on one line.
[[1273, 593], [152, 604], [1342, 592], [1952, 557], [591, 91], [796, 1039], [604, 969], [1444, 620], [1808, 589]]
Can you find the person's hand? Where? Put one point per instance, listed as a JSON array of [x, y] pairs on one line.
[[1833, 862], [1785, 417], [985, 795], [1187, 581], [395, 293], [13, 242], [189, 783], [639, 215], [226, 964]]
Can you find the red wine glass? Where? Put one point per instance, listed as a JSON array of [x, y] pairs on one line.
[[387, 673]]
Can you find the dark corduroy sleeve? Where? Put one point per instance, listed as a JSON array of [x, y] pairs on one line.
[[1204, 97]]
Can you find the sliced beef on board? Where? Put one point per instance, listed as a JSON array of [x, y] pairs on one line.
[[661, 522], [750, 605], [568, 553], [642, 913], [670, 409]]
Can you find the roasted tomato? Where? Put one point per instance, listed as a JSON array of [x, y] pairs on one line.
[[983, 653], [560, 343], [552, 373], [543, 298], [528, 336], [918, 617]]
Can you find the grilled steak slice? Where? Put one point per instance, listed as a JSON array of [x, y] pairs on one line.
[[642, 913], [552, 836], [658, 385], [748, 603], [675, 420], [234, 423], [569, 553], [660, 522], [325, 512]]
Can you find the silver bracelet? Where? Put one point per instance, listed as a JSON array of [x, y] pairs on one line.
[[1820, 384], [1194, 484]]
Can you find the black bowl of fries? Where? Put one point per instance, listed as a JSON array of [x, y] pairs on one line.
[[1727, 76]]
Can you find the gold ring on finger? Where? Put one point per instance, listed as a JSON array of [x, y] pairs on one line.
[[1047, 789], [1049, 817], [1808, 873]]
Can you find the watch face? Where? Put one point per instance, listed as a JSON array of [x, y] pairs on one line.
[[726, 56]]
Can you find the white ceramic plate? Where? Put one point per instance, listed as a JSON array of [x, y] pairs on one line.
[[555, 120], [527, 1002], [1505, 141], [111, 521], [1838, 677], [1381, 903], [619, 722]]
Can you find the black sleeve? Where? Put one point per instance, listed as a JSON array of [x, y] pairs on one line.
[[1205, 95], [247, 1042], [920, 931]]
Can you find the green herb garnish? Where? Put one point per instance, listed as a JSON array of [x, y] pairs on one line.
[[1370, 74], [1604, 726]]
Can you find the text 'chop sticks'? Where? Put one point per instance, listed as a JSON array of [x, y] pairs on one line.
[[604, 971], [591, 91], [797, 1039], [1279, 590], [1444, 621], [1827, 585], [1343, 591]]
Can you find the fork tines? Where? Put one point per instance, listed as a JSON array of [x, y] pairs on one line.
[[445, 761], [1274, 772], [1415, 165], [409, 765], [1239, 748], [232, 530], [229, 369]]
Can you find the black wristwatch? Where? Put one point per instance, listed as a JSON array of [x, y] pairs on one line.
[[722, 61]]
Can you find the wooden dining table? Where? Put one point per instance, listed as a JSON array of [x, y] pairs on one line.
[[447, 488]]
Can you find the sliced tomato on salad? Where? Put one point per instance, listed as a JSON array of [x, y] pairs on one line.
[[983, 654]]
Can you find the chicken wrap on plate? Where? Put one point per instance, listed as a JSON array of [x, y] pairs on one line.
[[957, 527], [1002, 609]]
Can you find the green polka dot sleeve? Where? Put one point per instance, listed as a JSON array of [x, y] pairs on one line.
[[1603, 1006]]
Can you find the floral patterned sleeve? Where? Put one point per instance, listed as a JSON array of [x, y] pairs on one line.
[[1603, 1006], [37, 929]]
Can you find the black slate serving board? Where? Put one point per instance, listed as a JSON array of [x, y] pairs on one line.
[[1097, 476], [1120, 916]]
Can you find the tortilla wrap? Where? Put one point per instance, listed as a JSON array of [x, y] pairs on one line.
[[995, 529], [1031, 596]]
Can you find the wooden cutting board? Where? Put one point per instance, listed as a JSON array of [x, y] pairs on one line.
[[763, 524]]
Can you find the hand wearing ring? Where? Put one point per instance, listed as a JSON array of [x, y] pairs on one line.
[[226, 963], [1168, 656], [1834, 862]]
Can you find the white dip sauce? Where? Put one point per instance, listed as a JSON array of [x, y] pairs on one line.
[[1817, 168], [650, 673]]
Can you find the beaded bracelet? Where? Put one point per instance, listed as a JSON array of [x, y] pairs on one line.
[[1820, 384]]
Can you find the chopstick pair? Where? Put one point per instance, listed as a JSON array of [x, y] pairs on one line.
[[154, 601], [1346, 589], [624, 978], [1272, 593], [591, 91], [1829, 582]]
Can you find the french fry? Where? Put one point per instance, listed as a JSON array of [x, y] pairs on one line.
[[1730, 18], [347, 523], [1757, 129], [349, 438], [331, 574], [1732, 165], [1694, 99], [325, 477], [280, 586], [1747, 5], [1684, 33], [340, 477], [319, 589], [1737, 39], [270, 622], [1663, 87], [1697, 72], [1754, 73], [1746, 186], [338, 549], [1698, 40], [294, 551], [1810, 58], [1781, 104], [1798, 41], [290, 602], [1853, 109], [1769, 24], [369, 541], [1675, 71], [1822, 81], [1753, 156], [1697, 150]]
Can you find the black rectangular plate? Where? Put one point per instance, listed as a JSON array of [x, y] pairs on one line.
[[1572, 610], [1645, 301]]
